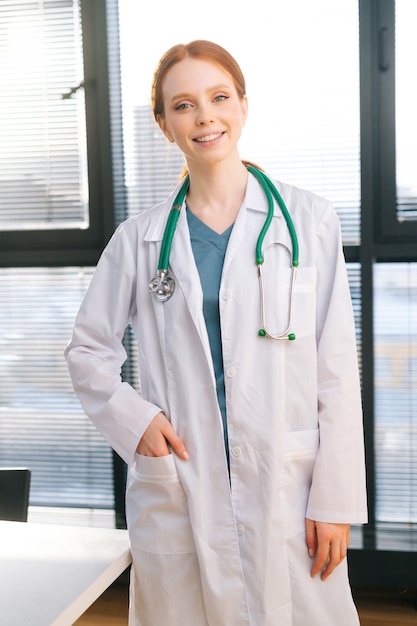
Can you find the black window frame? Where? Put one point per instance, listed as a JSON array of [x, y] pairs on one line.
[[387, 227], [60, 247], [381, 241], [107, 193]]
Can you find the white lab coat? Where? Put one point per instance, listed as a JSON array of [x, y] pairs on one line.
[[207, 551]]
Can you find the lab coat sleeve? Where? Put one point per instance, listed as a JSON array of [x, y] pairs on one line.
[[338, 492], [95, 354]]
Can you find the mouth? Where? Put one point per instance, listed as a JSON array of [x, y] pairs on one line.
[[207, 138]]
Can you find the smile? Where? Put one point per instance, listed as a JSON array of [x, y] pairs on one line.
[[211, 137]]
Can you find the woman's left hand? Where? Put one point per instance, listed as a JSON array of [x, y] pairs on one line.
[[328, 543]]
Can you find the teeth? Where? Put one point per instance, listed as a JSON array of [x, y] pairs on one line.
[[208, 137]]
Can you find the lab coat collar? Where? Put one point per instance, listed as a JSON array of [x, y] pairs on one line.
[[159, 215], [255, 200]]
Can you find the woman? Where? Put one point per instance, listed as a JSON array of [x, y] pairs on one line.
[[245, 453]]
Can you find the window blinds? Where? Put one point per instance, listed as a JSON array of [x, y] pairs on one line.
[[42, 425], [43, 180], [395, 323], [43, 186]]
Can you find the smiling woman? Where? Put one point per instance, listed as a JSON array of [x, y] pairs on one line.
[[235, 480]]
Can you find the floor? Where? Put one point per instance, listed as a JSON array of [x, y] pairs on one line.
[[386, 607], [111, 609], [376, 607]]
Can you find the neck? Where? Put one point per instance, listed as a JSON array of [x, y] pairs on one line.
[[216, 193]]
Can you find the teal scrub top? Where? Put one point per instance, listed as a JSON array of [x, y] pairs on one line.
[[209, 249]]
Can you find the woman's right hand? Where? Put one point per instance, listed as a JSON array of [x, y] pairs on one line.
[[156, 438]]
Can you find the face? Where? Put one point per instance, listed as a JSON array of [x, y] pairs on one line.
[[203, 113]]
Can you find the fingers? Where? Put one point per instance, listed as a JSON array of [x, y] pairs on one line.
[[311, 537], [176, 444], [331, 544], [157, 436], [337, 552]]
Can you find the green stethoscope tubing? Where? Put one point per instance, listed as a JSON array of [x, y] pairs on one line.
[[268, 187], [163, 286], [170, 227]]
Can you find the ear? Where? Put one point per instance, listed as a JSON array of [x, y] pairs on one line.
[[163, 126]]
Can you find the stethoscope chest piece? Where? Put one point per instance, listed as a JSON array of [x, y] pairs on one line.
[[162, 286]]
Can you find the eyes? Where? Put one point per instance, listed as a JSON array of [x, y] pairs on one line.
[[220, 97], [184, 106]]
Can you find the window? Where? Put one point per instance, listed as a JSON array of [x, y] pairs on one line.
[[397, 125], [388, 255], [45, 189], [42, 425], [308, 125], [405, 105], [395, 327], [56, 212], [43, 160]]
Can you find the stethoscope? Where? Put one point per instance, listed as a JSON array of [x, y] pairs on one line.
[[163, 285]]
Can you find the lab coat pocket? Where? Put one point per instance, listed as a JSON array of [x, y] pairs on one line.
[[157, 508], [300, 452]]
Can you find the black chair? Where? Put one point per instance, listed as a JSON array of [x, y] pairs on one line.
[[14, 493]]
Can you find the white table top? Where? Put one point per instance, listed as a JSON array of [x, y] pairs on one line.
[[49, 575]]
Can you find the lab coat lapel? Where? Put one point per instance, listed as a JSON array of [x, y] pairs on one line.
[[255, 203], [181, 260], [186, 274], [182, 266]]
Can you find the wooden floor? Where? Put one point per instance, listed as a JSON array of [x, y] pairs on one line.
[[111, 609], [387, 607]]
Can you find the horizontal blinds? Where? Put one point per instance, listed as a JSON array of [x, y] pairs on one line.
[[43, 180], [395, 323], [156, 164], [354, 277], [330, 169], [303, 91], [42, 425]]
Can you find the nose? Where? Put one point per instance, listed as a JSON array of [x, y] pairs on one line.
[[204, 115]]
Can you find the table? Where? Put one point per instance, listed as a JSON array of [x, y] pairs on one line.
[[49, 575]]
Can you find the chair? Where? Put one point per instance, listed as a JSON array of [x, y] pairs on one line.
[[14, 493]]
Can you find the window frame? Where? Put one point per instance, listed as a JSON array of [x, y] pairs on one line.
[[76, 247], [60, 247], [380, 242], [387, 228]]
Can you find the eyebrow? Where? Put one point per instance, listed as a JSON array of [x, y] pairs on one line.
[[185, 95]]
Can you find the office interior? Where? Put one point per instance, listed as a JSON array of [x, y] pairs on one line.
[[332, 100]]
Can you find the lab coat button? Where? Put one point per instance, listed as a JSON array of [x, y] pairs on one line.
[[236, 451], [240, 529], [230, 372], [226, 294]]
